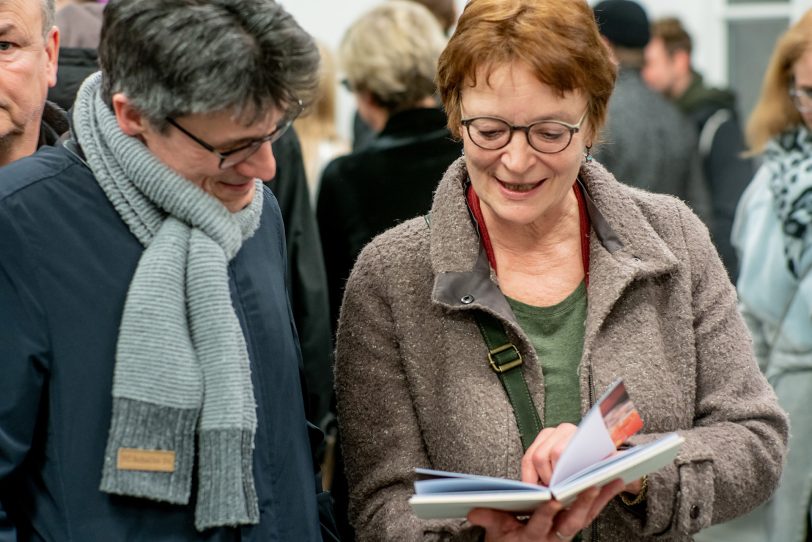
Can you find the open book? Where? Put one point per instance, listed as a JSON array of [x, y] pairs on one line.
[[589, 460]]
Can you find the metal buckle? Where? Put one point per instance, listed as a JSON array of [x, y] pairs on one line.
[[506, 366]]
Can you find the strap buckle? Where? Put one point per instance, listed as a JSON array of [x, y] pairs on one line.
[[507, 365]]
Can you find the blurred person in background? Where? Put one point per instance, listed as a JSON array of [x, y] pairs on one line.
[[772, 233], [445, 11], [727, 172], [79, 23], [389, 57], [306, 277], [647, 142], [29, 48], [316, 127]]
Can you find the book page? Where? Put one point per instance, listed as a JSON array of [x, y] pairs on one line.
[[607, 425]]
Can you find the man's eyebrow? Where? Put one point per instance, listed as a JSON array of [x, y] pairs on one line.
[[5, 28]]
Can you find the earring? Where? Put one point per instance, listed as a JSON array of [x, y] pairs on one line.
[[462, 152], [588, 154]]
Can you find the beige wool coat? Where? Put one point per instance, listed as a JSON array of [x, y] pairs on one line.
[[415, 389]]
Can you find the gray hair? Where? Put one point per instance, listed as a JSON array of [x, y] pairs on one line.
[[392, 52], [178, 57], [48, 16]]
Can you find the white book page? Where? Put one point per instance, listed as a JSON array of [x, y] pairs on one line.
[[590, 444]]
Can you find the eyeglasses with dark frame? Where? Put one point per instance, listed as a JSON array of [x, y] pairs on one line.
[[232, 157], [545, 136], [801, 98]]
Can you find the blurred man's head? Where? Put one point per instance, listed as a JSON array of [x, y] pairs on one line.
[[625, 26], [29, 44], [668, 58]]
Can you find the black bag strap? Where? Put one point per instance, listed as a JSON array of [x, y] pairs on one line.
[[506, 360]]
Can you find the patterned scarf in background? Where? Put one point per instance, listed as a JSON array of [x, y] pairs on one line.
[[789, 158]]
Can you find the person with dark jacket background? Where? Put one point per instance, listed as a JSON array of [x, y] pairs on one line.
[[389, 56], [647, 142], [27, 70], [307, 280], [713, 111], [79, 24], [150, 388]]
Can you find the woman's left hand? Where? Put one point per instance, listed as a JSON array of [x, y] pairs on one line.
[[552, 521]]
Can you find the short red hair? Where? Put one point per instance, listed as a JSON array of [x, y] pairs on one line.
[[557, 39]]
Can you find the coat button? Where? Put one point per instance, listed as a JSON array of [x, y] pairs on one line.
[[467, 299], [694, 512]]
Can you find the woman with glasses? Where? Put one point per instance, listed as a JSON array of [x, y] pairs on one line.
[[773, 234], [534, 257]]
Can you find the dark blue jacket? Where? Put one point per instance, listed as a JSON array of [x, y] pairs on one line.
[[66, 260]]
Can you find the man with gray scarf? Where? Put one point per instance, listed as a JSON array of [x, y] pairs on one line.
[[150, 376]]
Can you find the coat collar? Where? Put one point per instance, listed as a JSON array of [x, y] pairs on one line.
[[624, 247]]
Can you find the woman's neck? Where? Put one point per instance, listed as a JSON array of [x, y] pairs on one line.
[[541, 239]]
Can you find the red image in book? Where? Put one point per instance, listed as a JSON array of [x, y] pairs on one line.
[[619, 414]]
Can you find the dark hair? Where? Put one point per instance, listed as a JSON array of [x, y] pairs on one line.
[[178, 57]]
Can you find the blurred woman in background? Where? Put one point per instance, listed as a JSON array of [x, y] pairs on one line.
[[773, 234]]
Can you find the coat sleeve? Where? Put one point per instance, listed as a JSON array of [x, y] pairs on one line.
[[382, 439], [732, 458], [23, 366]]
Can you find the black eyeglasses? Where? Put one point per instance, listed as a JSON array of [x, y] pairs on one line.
[[546, 136], [802, 98], [232, 157]]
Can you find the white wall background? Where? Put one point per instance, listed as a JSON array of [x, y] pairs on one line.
[[705, 20]]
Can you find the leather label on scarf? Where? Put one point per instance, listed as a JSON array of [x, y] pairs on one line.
[[146, 460]]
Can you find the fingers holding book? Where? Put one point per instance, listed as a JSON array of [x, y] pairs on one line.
[[552, 521]]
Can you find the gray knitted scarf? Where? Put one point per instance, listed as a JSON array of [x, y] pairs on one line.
[[181, 377]]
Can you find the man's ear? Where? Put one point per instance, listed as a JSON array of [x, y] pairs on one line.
[[129, 119], [52, 52]]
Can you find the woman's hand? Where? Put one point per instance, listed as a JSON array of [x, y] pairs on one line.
[[551, 522], [541, 457]]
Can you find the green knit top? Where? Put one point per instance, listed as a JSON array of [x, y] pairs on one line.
[[557, 334]]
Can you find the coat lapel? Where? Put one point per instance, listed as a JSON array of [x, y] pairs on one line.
[[624, 248]]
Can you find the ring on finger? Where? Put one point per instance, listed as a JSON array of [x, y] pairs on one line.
[[560, 536]]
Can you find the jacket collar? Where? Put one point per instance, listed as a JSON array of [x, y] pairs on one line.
[[54, 123], [624, 247]]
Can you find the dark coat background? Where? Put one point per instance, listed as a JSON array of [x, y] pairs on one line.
[[66, 261], [721, 145], [307, 281], [370, 190]]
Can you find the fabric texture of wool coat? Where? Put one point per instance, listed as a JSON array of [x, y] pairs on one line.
[[415, 390]]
